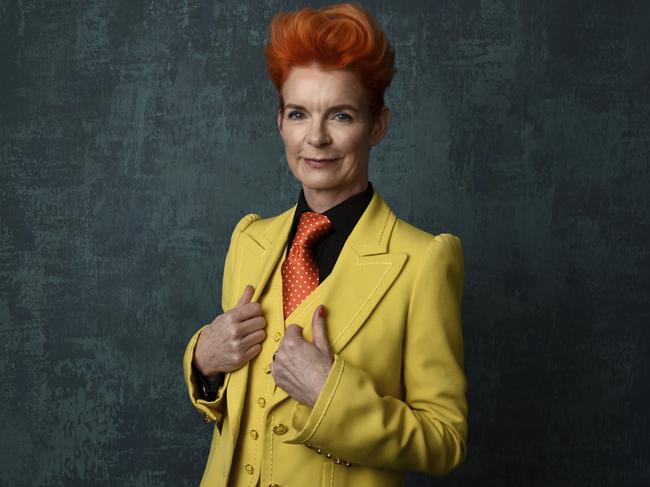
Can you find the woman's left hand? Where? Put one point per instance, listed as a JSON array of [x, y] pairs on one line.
[[300, 367]]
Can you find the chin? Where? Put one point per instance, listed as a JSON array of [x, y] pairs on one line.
[[318, 181], [319, 186]]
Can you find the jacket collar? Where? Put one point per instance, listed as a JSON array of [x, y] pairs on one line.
[[343, 216], [369, 236]]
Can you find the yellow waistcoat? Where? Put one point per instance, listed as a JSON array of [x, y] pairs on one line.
[[394, 399]]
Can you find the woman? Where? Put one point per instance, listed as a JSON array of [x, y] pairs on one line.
[[339, 357]]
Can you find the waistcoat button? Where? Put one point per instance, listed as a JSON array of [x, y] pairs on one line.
[[249, 468], [280, 429], [254, 434]]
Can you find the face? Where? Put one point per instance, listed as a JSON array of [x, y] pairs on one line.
[[327, 132]]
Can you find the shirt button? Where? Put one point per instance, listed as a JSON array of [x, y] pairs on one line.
[[249, 468], [277, 336], [254, 434], [261, 402], [280, 429]]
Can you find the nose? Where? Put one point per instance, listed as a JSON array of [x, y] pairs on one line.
[[318, 134]]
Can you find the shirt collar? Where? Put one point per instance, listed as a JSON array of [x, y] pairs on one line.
[[343, 216]]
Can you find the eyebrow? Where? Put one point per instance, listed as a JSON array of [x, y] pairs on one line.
[[344, 106]]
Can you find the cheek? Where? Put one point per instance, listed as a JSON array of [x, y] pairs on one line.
[[291, 140], [351, 142]]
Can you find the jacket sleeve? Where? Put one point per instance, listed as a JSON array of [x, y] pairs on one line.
[[215, 410], [426, 430]]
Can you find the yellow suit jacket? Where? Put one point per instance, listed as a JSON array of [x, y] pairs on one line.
[[394, 399]]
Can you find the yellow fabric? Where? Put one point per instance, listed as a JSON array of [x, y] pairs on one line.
[[257, 451], [394, 399]]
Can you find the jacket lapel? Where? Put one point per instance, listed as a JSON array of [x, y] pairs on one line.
[[258, 254]]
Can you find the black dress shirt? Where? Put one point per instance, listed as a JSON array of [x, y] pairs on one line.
[[344, 217]]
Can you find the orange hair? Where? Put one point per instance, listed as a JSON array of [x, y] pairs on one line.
[[341, 36]]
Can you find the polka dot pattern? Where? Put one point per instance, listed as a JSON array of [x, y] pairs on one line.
[[299, 270]]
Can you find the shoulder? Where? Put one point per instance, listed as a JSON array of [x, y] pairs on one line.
[[432, 259], [415, 241], [246, 221], [254, 224]]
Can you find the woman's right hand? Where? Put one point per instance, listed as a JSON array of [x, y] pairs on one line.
[[232, 339]]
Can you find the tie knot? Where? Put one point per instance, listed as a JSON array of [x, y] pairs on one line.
[[311, 228]]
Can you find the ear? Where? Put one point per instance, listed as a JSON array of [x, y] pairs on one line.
[[280, 116], [380, 126]]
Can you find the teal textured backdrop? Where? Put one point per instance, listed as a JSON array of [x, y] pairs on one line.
[[135, 134]]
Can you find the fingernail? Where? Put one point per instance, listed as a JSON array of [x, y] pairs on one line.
[[321, 311]]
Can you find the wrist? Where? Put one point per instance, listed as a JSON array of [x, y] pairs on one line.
[[213, 379], [209, 385]]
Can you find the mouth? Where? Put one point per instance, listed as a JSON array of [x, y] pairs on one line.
[[319, 162]]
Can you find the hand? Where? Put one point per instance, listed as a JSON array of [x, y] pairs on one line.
[[232, 339], [301, 368]]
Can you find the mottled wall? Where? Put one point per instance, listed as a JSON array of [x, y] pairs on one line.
[[135, 134]]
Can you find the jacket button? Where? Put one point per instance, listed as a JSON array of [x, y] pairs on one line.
[[274, 485], [277, 336], [267, 369], [249, 468], [206, 418], [280, 429], [254, 434], [261, 402]]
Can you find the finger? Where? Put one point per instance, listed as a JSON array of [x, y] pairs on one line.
[[246, 296], [246, 311], [252, 352], [320, 332], [251, 325], [250, 340]]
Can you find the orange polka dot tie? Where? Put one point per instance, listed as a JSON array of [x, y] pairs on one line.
[[299, 270]]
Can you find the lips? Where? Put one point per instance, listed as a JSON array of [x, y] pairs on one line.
[[319, 162]]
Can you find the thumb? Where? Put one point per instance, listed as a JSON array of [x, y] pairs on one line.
[[246, 297], [319, 331]]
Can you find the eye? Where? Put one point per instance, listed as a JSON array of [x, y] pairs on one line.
[[346, 117], [292, 115]]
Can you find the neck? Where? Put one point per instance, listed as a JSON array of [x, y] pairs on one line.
[[321, 200]]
